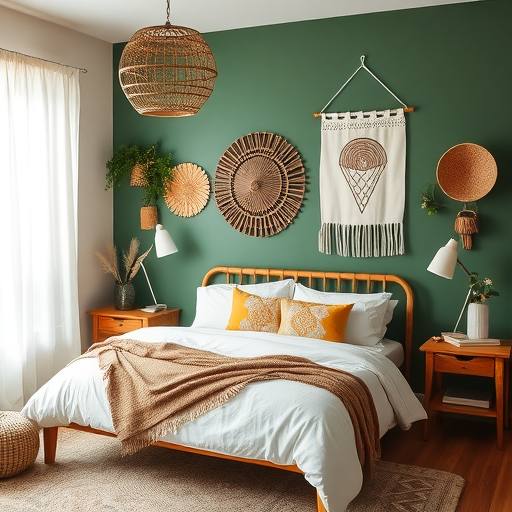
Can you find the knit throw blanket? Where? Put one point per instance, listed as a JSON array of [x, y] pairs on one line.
[[156, 387], [362, 183]]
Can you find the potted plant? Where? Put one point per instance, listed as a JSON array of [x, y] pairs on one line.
[[125, 160], [124, 292], [478, 313], [146, 169], [156, 172]]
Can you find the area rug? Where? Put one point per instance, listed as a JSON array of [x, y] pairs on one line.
[[91, 476]]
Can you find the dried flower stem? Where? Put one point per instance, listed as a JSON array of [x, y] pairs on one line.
[[109, 262], [131, 261]]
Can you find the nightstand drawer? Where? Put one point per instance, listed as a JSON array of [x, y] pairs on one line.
[[446, 363], [118, 325], [109, 321]]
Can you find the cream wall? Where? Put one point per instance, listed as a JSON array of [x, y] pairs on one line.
[[31, 36]]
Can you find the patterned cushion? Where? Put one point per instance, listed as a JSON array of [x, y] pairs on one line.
[[312, 320], [254, 313]]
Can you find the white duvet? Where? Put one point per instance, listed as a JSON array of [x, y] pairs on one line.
[[280, 421]]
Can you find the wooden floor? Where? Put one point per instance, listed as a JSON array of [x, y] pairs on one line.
[[463, 446]]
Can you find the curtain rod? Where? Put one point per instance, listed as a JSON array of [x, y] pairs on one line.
[[82, 70]]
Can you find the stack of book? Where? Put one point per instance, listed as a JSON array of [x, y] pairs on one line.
[[472, 398], [461, 340]]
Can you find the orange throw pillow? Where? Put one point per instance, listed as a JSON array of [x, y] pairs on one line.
[[312, 320], [254, 313]]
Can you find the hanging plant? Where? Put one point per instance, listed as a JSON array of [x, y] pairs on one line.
[[428, 199], [157, 171], [122, 163], [153, 170], [148, 170]]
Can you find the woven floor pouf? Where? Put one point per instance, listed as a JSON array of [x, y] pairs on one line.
[[19, 443]]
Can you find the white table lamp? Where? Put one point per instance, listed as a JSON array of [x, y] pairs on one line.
[[443, 265], [164, 246]]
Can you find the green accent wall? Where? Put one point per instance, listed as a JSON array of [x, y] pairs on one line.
[[451, 63]]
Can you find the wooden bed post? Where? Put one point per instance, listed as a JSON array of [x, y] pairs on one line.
[[319, 505], [50, 435]]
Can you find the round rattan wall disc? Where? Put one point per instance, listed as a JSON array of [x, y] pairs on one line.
[[259, 184], [466, 172], [188, 191]]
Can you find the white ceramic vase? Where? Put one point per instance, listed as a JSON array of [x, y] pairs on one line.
[[478, 321]]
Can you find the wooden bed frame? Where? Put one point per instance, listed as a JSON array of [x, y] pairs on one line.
[[326, 281]]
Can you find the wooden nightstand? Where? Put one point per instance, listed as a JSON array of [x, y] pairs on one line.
[[110, 321], [492, 361]]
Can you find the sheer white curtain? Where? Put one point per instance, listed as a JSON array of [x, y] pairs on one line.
[[39, 322]]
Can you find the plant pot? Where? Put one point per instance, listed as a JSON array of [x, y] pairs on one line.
[[478, 321], [124, 296], [137, 177], [148, 217]]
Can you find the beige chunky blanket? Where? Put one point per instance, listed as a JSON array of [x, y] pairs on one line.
[[156, 387]]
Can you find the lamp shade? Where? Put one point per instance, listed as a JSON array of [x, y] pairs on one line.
[[164, 244], [167, 71], [445, 260]]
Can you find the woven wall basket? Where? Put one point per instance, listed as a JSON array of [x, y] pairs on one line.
[[137, 178], [188, 191], [466, 172], [148, 217], [259, 184]]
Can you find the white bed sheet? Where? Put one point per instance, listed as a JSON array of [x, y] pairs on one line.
[[393, 350], [280, 421]]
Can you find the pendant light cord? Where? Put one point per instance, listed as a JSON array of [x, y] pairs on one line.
[[168, 11]]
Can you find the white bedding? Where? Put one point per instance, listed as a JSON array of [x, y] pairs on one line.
[[393, 350], [280, 421]]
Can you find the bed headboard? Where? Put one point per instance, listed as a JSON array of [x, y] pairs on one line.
[[327, 281]]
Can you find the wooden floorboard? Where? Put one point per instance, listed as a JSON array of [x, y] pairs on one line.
[[465, 446]]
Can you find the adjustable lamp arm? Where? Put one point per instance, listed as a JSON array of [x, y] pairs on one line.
[[467, 296], [463, 267], [147, 278]]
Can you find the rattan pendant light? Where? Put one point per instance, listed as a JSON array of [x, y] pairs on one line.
[[167, 70]]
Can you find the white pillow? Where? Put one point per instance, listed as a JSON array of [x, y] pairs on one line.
[[322, 297], [213, 305], [368, 319]]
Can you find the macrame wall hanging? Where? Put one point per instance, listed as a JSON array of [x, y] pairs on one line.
[[188, 191], [259, 184], [467, 172], [362, 180]]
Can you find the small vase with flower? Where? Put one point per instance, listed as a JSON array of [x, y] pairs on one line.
[[478, 312]]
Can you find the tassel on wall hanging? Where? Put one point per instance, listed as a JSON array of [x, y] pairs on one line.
[[362, 180]]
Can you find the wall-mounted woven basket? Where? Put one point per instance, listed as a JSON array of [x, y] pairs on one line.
[[259, 184], [148, 217], [137, 178], [466, 172]]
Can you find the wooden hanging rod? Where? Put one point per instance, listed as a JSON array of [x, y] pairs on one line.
[[406, 109]]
